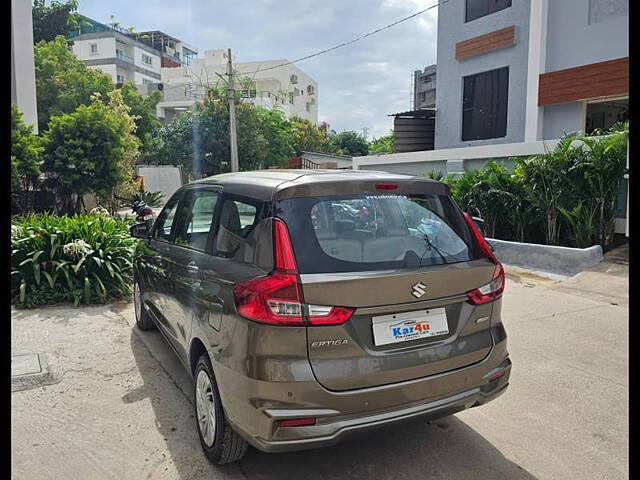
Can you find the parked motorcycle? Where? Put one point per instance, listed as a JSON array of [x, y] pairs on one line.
[[144, 213]]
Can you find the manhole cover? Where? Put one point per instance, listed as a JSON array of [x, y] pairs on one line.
[[30, 370], [26, 364]]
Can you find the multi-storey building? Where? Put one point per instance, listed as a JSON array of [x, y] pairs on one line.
[[23, 80], [526, 70], [264, 83], [424, 88], [128, 56], [514, 75]]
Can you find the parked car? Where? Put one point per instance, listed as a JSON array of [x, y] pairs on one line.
[[302, 328]]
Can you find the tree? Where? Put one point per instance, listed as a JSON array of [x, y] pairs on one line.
[[278, 133], [25, 157], [63, 82], [90, 150], [307, 137], [383, 144], [59, 18], [143, 111], [199, 139], [349, 143]]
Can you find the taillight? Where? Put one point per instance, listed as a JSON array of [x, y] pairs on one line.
[[146, 211], [297, 422], [492, 290], [323, 315], [386, 186], [276, 299]]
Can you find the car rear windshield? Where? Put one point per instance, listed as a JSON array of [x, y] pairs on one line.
[[372, 232]]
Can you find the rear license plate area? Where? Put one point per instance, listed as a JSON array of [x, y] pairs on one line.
[[408, 326]]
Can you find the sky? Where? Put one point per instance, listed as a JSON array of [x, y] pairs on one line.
[[358, 85]]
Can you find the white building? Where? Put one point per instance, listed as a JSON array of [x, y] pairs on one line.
[[286, 87], [117, 52], [23, 79]]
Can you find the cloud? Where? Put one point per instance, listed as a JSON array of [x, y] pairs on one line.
[[358, 85]]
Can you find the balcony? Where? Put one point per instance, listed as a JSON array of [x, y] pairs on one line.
[[125, 58]]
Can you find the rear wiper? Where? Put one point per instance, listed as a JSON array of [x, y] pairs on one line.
[[430, 245]]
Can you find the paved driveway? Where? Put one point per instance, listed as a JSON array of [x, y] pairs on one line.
[[119, 405]]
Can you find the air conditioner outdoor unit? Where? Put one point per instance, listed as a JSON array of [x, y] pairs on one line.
[[160, 87]]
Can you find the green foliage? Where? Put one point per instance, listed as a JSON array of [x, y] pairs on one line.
[[434, 175], [89, 150], [83, 259], [348, 143], [307, 137], [59, 18], [143, 110], [199, 138], [153, 199], [25, 153], [565, 196], [382, 145], [278, 133], [63, 82]]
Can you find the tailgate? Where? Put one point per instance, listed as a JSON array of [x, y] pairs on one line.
[[364, 359]]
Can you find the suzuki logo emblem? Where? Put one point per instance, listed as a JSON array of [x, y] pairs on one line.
[[418, 289]]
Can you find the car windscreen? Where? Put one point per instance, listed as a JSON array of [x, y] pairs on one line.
[[373, 232]]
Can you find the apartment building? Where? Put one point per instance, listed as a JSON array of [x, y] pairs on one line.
[[514, 75], [23, 78], [286, 87], [128, 56], [526, 70], [424, 88]]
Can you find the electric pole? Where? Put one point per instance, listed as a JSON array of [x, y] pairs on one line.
[[233, 139]]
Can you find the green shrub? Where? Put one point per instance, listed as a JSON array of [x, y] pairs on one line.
[[565, 196], [153, 199], [83, 259]]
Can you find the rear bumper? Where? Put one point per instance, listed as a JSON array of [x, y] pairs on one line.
[[254, 408], [327, 434]]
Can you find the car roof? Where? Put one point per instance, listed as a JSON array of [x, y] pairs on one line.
[[285, 183]]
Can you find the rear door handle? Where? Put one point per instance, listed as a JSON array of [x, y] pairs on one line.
[[192, 267]]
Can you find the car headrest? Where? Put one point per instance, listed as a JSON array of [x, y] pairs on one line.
[[230, 218]]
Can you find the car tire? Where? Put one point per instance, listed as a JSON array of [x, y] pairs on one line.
[[143, 319], [222, 445]]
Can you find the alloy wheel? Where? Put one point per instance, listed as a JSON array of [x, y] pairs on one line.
[[205, 408]]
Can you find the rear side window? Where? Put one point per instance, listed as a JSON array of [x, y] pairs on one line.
[[196, 219], [357, 232], [237, 220]]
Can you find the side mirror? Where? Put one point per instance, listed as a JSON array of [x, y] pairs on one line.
[[480, 224], [140, 230]]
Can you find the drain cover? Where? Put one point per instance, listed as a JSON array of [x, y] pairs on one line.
[[26, 364]]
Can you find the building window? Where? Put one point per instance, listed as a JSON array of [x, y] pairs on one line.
[[484, 105], [146, 59], [119, 78], [290, 97], [422, 97], [604, 115], [480, 8], [93, 48]]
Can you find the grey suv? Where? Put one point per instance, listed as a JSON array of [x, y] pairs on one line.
[[312, 306]]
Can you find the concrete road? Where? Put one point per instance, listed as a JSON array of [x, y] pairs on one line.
[[119, 406]]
